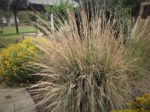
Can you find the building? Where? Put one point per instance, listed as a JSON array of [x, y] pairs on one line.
[[38, 5], [145, 9]]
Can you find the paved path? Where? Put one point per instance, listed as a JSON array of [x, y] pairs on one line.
[[15, 100], [32, 34]]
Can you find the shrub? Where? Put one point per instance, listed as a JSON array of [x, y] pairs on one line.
[[140, 104], [15, 61], [88, 72]]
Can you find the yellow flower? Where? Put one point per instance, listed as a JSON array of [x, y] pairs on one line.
[[17, 56]]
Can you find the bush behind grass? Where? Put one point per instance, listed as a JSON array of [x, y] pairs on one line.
[[94, 74]]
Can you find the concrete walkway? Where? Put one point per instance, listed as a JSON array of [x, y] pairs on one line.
[[32, 34], [15, 100]]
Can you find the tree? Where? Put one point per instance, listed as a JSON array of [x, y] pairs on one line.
[[5, 9], [4, 5]]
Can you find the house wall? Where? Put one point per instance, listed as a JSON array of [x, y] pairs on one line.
[[145, 0], [145, 9]]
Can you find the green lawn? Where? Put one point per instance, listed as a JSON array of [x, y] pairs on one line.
[[9, 36]]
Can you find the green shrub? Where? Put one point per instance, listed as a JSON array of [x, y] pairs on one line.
[[140, 104], [15, 61]]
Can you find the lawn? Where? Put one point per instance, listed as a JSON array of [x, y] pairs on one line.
[[9, 36]]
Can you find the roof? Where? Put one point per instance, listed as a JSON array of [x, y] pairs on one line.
[[45, 2], [52, 2], [145, 0], [38, 4]]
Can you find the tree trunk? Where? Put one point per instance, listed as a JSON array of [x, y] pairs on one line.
[[16, 23]]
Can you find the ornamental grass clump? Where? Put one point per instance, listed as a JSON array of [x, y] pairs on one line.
[[88, 71]]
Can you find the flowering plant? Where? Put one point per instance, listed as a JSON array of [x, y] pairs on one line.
[[140, 104], [17, 63]]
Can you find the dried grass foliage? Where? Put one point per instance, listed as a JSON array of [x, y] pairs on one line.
[[87, 72]]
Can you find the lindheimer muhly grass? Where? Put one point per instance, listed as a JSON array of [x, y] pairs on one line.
[[90, 71]]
